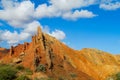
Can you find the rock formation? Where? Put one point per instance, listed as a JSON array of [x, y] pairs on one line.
[[60, 60]]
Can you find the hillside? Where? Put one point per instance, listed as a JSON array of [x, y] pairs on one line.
[[60, 61]]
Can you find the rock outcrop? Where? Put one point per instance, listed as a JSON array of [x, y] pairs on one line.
[[60, 60]]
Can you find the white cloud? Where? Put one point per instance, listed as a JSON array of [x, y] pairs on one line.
[[32, 27], [58, 8], [46, 11], [46, 29], [7, 4], [10, 37], [110, 6], [17, 14], [71, 4], [13, 38], [60, 35], [78, 14]]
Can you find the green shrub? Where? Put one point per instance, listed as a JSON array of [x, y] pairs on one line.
[[20, 67], [73, 75], [7, 72], [61, 78], [41, 68], [114, 77], [118, 76], [22, 77], [36, 78], [28, 71]]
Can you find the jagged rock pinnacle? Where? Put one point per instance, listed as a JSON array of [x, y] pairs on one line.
[[39, 31]]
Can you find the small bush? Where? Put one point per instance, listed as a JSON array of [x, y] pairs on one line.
[[22, 77], [28, 71], [7, 72], [36, 79], [41, 68], [114, 77], [20, 67], [62, 78], [73, 75], [118, 76]]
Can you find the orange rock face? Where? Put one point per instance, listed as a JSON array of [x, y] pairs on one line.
[[3, 52], [60, 60]]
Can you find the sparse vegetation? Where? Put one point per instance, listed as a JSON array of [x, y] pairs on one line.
[[118, 76], [41, 68], [7, 72], [28, 71], [62, 78], [44, 78], [114, 77], [23, 77], [73, 75], [20, 67]]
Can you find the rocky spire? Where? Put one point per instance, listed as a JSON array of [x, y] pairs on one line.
[[11, 51], [36, 38], [39, 34], [39, 30]]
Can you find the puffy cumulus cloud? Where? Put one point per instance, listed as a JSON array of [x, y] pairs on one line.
[[10, 37], [110, 6], [46, 11], [60, 35], [32, 27], [17, 14], [71, 4], [61, 7], [78, 14], [13, 38]]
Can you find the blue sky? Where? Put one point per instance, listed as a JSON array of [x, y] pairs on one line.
[[84, 24]]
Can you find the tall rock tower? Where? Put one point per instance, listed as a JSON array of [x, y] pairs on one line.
[[41, 50]]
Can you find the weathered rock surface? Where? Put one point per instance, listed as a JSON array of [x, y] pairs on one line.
[[60, 60], [17, 60]]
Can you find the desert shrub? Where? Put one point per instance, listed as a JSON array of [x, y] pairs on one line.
[[73, 75], [20, 67], [41, 68], [62, 78], [36, 78], [118, 76], [7, 72], [114, 77], [28, 71], [23, 77]]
